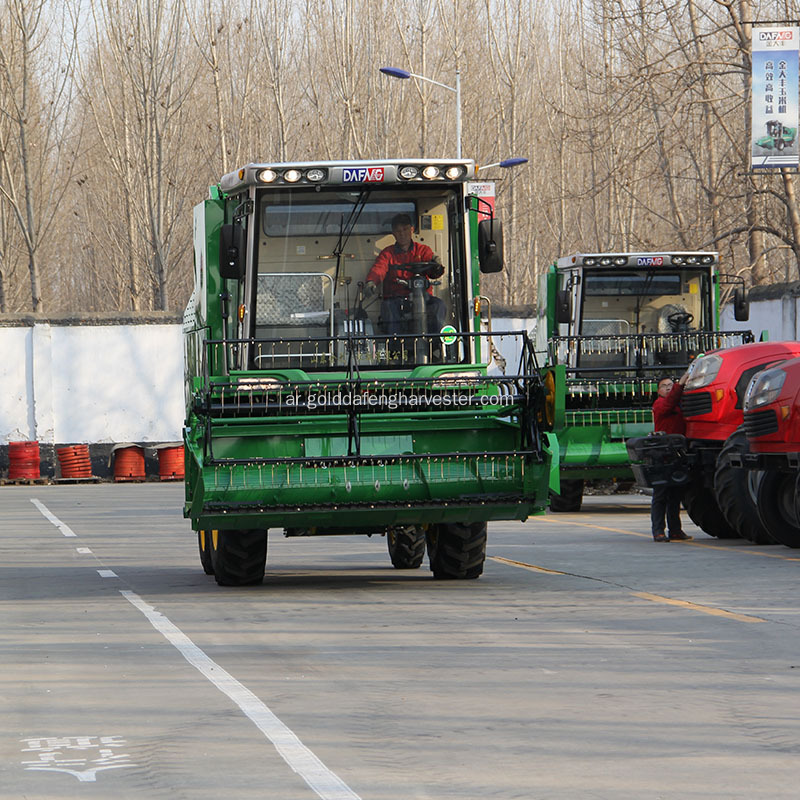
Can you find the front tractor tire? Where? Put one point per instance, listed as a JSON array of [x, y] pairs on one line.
[[700, 503], [736, 492], [456, 551], [239, 557], [406, 546], [775, 496], [571, 496]]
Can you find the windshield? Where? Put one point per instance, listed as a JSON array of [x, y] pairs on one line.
[[664, 305], [385, 266], [652, 301]]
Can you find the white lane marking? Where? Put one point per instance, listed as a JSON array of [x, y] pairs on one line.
[[83, 550], [325, 783], [50, 517], [107, 573]]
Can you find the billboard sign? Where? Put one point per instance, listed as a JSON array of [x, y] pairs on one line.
[[774, 112]]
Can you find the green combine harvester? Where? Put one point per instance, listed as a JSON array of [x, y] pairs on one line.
[[324, 397], [778, 136], [609, 325]]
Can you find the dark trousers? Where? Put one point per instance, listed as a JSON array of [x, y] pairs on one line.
[[396, 314], [666, 503]]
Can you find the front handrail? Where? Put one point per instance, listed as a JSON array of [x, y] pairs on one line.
[[274, 397], [638, 354]]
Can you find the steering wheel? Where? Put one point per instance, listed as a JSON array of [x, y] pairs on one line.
[[420, 267], [679, 319]]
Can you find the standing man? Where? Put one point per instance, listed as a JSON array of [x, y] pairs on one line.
[[388, 268], [668, 418]]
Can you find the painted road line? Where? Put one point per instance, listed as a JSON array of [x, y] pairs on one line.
[[654, 598], [596, 527], [50, 517], [107, 573], [83, 550], [693, 543], [716, 612], [523, 565], [323, 781]]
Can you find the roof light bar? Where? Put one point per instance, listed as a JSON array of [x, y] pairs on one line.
[[292, 175]]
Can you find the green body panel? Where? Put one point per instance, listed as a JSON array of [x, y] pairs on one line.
[[412, 468], [362, 496], [474, 268], [598, 451], [592, 440]]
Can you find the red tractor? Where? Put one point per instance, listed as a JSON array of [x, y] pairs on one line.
[[772, 425], [721, 498]]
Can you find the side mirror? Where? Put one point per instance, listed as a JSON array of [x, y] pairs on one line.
[[741, 306], [490, 245], [232, 250], [563, 307]]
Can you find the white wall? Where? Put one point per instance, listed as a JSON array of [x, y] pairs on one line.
[[16, 407], [510, 347], [778, 316], [93, 384]]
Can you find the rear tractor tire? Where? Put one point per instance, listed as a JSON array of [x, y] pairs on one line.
[[736, 492], [406, 546], [239, 557], [571, 496], [456, 551], [775, 496], [700, 503], [204, 546]]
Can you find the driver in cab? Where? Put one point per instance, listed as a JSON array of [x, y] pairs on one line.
[[388, 269]]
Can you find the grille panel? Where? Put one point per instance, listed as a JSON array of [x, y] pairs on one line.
[[696, 403], [761, 423]]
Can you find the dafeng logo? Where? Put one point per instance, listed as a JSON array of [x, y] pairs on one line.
[[775, 36], [363, 175], [650, 261]]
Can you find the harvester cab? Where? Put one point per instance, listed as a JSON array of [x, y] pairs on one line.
[[609, 325], [318, 407]]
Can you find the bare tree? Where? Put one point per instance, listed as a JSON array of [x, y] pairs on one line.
[[139, 91], [38, 147], [633, 114]]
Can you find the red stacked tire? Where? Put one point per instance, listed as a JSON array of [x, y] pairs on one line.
[[23, 461], [75, 461], [170, 463], [129, 463]]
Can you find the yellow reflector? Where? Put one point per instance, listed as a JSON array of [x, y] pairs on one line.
[[720, 394], [785, 411], [241, 312]]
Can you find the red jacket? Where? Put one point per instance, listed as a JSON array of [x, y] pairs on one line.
[[667, 414], [394, 255]]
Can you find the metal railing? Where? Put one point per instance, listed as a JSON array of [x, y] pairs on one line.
[[253, 396], [638, 354]]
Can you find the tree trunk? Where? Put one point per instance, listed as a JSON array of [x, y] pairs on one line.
[[793, 214]]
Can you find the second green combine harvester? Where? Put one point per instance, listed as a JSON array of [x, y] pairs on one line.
[[313, 409], [609, 325]]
